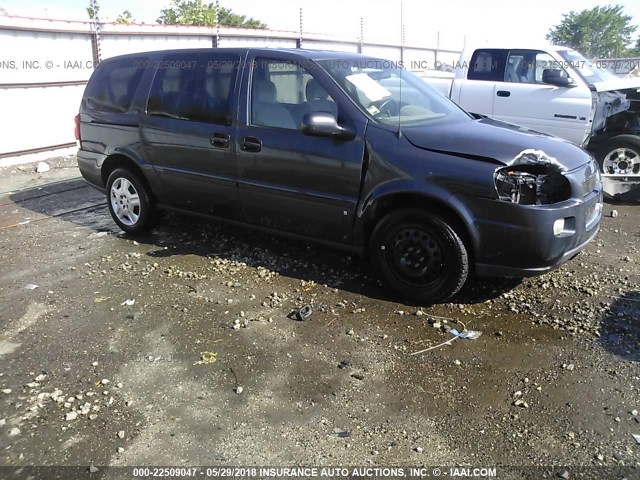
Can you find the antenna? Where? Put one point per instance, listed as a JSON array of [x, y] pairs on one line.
[[401, 67]]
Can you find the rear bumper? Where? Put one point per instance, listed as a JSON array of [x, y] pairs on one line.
[[89, 164]]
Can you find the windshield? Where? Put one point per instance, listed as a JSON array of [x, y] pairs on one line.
[[585, 68], [391, 95]]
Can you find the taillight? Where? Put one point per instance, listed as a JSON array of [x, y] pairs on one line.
[[76, 130]]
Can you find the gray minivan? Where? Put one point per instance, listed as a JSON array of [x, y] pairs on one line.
[[339, 149]]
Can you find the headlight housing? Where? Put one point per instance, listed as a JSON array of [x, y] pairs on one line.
[[533, 179]]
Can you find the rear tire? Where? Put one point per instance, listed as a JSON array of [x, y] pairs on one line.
[[130, 202], [418, 255], [620, 155]]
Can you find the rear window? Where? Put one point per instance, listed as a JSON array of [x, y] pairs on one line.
[[488, 65], [114, 85], [196, 87]]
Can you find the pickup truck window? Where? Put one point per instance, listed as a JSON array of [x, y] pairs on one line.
[[527, 66], [196, 87], [283, 92], [488, 65], [391, 95]]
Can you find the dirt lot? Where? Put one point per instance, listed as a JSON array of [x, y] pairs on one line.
[[177, 349]]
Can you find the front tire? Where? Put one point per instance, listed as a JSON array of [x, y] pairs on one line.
[[129, 201], [419, 255], [620, 155]]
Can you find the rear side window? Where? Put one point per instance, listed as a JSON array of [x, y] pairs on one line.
[[195, 86], [113, 87], [488, 65]]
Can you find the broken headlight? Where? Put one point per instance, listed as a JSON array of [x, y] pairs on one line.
[[532, 185], [533, 179]]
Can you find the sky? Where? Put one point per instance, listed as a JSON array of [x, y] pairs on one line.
[[453, 22]]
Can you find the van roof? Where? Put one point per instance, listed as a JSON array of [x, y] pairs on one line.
[[517, 46], [299, 52]]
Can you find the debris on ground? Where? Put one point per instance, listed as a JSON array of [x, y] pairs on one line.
[[42, 167], [344, 364], [207, 358], [463, 334], [130, 302], [636, 438], [31, 286], [467, 334], [302, 313]]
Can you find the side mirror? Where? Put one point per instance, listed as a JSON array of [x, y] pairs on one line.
[[558, 78], [322, 124]]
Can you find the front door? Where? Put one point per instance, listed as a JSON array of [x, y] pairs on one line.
[[288, 180]]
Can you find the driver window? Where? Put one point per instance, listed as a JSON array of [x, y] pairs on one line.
[[527, 66], [282, 92], [545, 61]]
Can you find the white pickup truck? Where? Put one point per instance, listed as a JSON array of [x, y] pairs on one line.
[[553, 90]]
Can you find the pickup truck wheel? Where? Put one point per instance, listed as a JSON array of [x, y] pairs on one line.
[[129, 201], [419, 255], [620, 156]]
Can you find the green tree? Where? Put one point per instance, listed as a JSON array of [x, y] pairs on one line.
[[195, 12], [125, 17], [93, 10], [599, 32]]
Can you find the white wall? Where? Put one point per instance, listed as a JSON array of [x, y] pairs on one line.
[[121, 44], [38, 116]]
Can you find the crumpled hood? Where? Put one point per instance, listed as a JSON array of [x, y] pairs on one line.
[[617, 84], [493, 141]]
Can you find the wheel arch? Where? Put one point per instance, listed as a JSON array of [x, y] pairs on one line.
[[446, 206], [123, 160]]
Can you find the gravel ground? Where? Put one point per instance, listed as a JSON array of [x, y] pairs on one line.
[[179, 348]]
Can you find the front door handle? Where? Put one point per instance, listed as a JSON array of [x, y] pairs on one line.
[[503, 93], [220, 140], [251, 144]]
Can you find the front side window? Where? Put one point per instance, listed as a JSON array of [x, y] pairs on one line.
[[113, 88], [282, 92], [528, 66], [196, 87], [391, 95]]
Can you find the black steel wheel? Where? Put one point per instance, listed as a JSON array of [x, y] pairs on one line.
[[419, 255]]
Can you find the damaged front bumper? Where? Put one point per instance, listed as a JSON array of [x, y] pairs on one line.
[[527, 241], [520, 240]]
